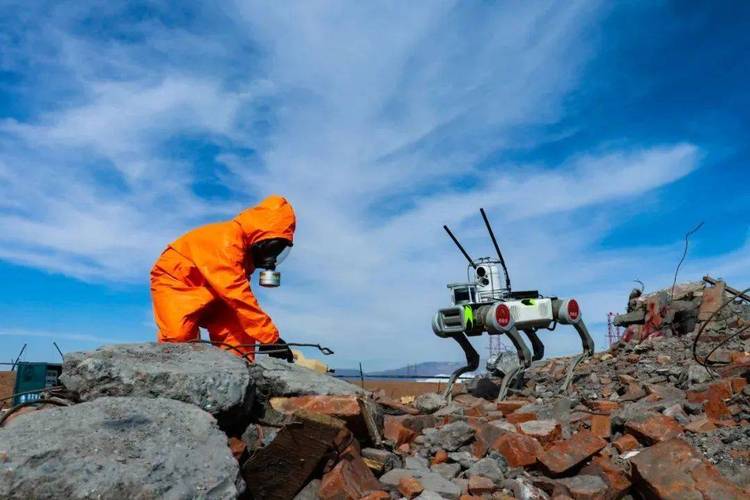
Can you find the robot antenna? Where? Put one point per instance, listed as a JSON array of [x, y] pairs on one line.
[[471, 261], [497, 247]]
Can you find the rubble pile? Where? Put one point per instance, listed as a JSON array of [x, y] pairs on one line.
[[643, 419]]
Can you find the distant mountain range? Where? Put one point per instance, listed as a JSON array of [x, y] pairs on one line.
[[418, 370]]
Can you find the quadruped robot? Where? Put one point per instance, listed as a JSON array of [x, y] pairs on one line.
[[486, 303]]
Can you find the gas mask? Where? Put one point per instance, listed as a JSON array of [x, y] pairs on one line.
[[268, 254]]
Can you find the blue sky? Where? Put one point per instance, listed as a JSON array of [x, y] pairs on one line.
[[595, 135]]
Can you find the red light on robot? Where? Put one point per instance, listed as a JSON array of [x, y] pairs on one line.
[[502, 315], [573, 310]]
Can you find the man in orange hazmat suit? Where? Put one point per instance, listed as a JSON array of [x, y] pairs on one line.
[[201, 279]]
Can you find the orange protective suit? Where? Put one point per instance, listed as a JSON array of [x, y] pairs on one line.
[[201, 279]]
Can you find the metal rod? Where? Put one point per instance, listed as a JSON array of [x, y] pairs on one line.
[[18, 358], [497, 247], [733, 291], [361, 376], [58, 350], [471, 262]]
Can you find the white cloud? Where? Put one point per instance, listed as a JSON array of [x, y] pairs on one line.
[[372, 120]]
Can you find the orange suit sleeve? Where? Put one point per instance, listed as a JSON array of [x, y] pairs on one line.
[[222, 266]]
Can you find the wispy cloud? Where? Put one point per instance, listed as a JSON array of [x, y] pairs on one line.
[[379, 123], [55, 336]]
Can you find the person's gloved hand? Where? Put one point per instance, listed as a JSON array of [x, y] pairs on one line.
[[282, 351]]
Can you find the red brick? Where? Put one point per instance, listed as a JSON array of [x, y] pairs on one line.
[[714, 406], [517, 418], [653, 427], [737, 384], [377, 495], [395, 430], [485, 435], [736, 357], [237, 446], [697, 396], [565, 455], [410, 487], [603, 406], [617, 480], [712, 299], [601, 426], [347, 408], [475, 411], [510, 405], [342, 407], [626, 442], [470, 497], [544, 431], [701, 424], [480, 485], [674, 470], [441, 456], [350, 478], [716, 409], [518, 450], [404, 449]]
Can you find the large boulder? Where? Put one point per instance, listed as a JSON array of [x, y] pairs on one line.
[[117, 448], [275, 377], [200, 374]]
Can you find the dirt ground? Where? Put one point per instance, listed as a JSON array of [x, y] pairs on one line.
[[398, 388], [7, 381]]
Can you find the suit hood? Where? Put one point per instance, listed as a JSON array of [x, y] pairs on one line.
[[271, 218]]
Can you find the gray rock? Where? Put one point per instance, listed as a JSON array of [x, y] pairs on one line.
[[429, 402], [431, 481], [417, 463], [523, 489], [200, 374], [451, 409], [310, 491], [275, 377], [448, 471], [676, 412], [118, 448], [695, 374], [450, 437], [429, 495], [488, 468], [592, 486], [464, 458]]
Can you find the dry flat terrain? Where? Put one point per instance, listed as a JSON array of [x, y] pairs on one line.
[[7, 381]]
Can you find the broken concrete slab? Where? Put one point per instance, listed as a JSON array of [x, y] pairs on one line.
[[116, 447], [277, 378], [675, 470], [199, 374]]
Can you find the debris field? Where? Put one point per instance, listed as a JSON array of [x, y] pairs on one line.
[[644, 419]]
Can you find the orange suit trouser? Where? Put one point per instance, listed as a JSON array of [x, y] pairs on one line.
[[180, 309]]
